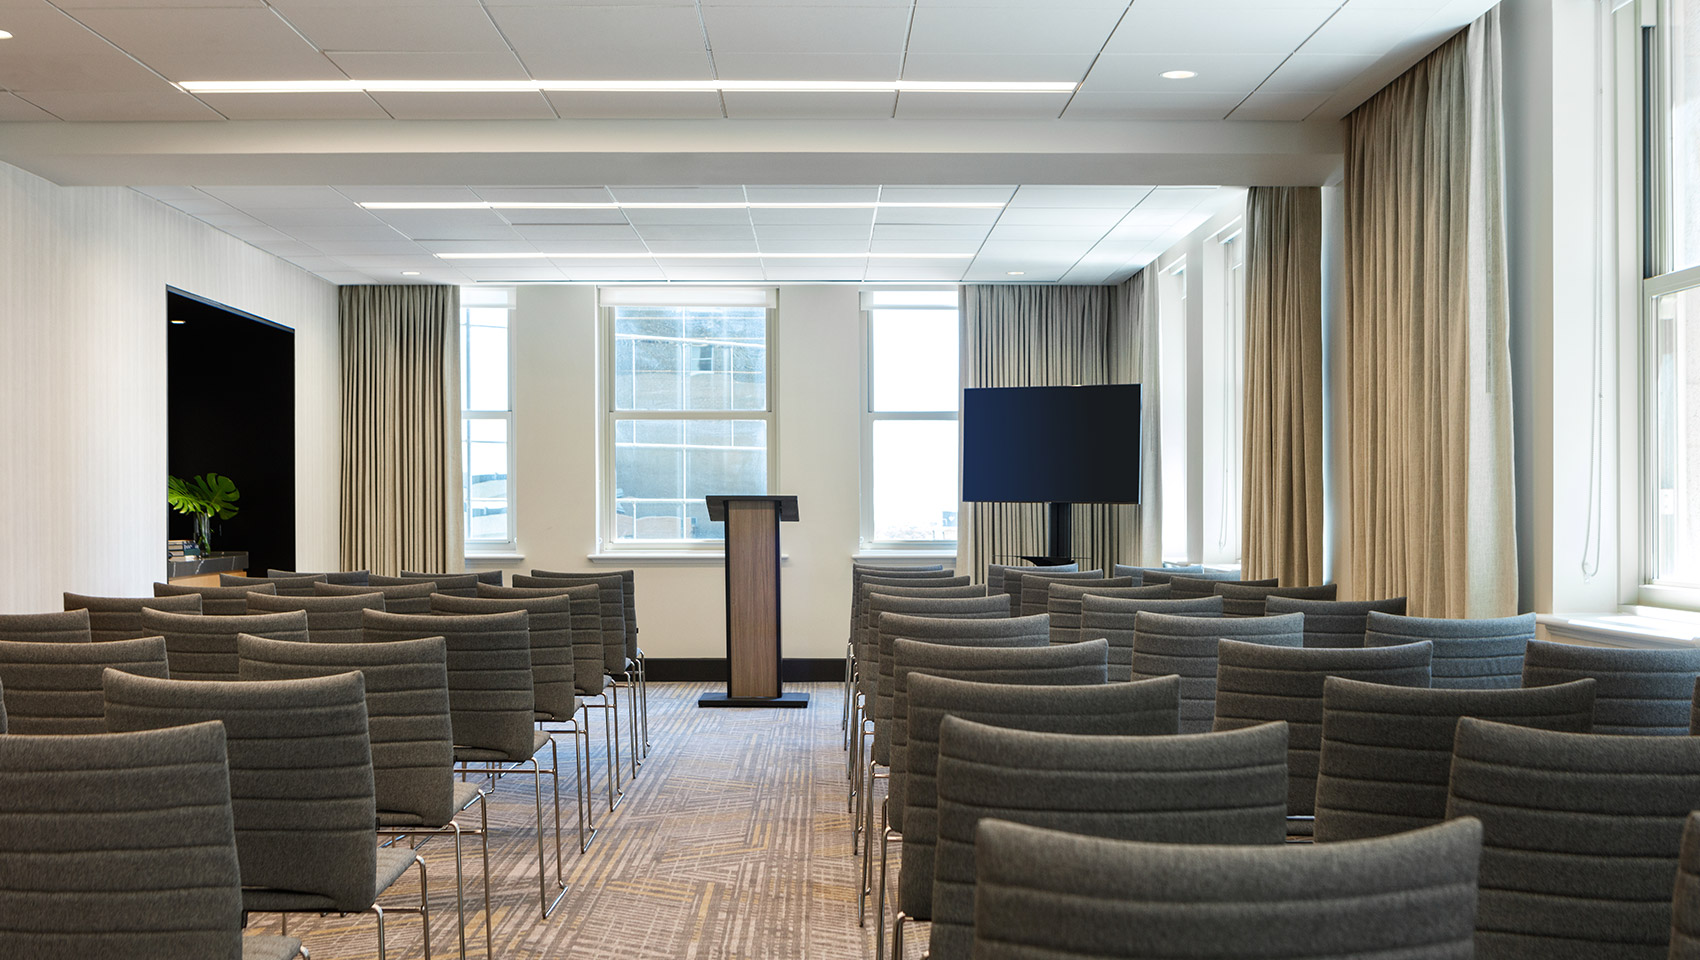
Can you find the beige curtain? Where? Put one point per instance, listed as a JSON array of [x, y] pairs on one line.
[[1426, 334], [401, 496], [1281, 508], [1025, 336]]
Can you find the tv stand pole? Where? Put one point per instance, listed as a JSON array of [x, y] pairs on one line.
[[1059, 526]]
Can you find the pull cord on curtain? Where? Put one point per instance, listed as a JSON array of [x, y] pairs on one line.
[[1430, 508], [401, 474]]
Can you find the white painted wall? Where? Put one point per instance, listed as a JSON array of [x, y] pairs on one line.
[[681, 604], [83, 277]]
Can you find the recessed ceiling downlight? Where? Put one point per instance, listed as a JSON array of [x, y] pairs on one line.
[[4, 35], [1178, 74]]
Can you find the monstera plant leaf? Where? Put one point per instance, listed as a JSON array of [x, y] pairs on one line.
[[211, 494]]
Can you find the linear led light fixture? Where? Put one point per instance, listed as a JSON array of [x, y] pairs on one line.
[[742, 255], [625, 86], [648, 205]]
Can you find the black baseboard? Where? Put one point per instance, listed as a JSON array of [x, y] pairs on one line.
[[697, 669]]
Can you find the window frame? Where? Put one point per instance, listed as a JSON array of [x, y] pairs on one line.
[[869, 416], [471, 547], [607, 540]]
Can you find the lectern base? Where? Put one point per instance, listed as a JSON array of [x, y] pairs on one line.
[[727, 700]]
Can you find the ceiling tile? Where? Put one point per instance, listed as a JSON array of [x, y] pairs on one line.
[[361, 193], [169, 194], [479, 246], [517, 217], [637, 106], [807, 106], [1077, 196], [291, 199], [811, 231], [51, 51], [814, 271], [552, 233], [449, 224], [740, 232], [806, 30], [663, 247], [632, 245], [931, 231], [1034, 232], [732, 217], [370, 248], [214, 43], [861, 217], [731, 65], [1105, 217], [542, 194], [466, 106], [1152, 106], [1018, 66], [980, 106], [161, 103], [606, 42], [1289, 107], [840, 245], [367, 65], [527, 272], [946, 194], [1142, 72], [403, 29], [936, 215], [15, 108], [294, 106], [1368, 30], [812, 194], [1027, 29], [1038, 251], [1310, 73], [943, 270], [678, 195], [894, 247], [1208, 27], [624, 271]]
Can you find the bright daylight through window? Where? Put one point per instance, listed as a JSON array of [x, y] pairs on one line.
[[689, 410], [909, 438], [487, 418]]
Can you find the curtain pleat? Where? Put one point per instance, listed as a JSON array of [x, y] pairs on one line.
[[1282, 501], [401, 498], [1035, 336], [1428, 412]]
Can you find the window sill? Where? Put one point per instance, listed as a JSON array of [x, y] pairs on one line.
[[1635, 627], [497, 557], [668, 557], [928, 554]]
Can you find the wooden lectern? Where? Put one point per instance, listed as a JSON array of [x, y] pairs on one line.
[[752, 601]]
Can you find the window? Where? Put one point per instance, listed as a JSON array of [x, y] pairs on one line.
[[1224, 392], [487, 418], [1172, 410], [689, 409], [909, 439]]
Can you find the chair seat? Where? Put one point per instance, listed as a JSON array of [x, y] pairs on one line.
[[392, 863], [539, 739], [544, 716], [265, 947], [464, 795]]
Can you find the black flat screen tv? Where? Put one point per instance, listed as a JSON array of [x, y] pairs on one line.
[[1051, 444]]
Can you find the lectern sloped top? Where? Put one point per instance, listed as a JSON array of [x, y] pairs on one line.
[[787, 506]]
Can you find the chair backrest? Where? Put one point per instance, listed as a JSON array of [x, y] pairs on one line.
[[1412, 896], [1334, 623], [491, 703], [1202, 788], [1063, 602], [453, 584], [1468, 654], [120, 618], [863, 628], [492, 577], [1685, 904], [1052, 701], [879, 670], [611, 597], [204, 648], [219, 601], [1036, 593], [1184, 644], [1387, 751], [1204, 584], [132, 828], [407, 709], [1248, 599], [355, 578], [300, 776], [71, 626], [1259, 682], [329, 619], [859, 571], [297, 586], [997, 573], [1150, 575], [1583, 834], [590, 678], [1112, 619], [55, 688], [549, 620], [628, 594], [1026, 603], [405, 598], [1646, 692]]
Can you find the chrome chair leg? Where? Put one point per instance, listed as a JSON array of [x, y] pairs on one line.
[[897, 933], [868, 844], [585, 704], [886, 836]]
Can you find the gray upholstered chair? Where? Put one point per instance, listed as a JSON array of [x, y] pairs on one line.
[[407, 710], [1113, 619], [1195, 585], [297, 586], [1685, 904], [997, 574], [453, 584], [217, 601], [204, 648], [125, 846], [1646, 692], [1248, 599], [1203, 788], [965, 674], [867, 633], [1583, 834], [492, 577], [1468, 654], [55, 688], [71, 626], [549, 621], [329, 619], [120, 618], [1062, 601], [354, 578], [1151, 575], [616, 662], [492, 706], [1334, 623], [1029, 601], [1387, 750], [1411, 896], [1260, 683], [300, 850], [412, 598], [1185, 645], [639, 662], [857, 572]]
